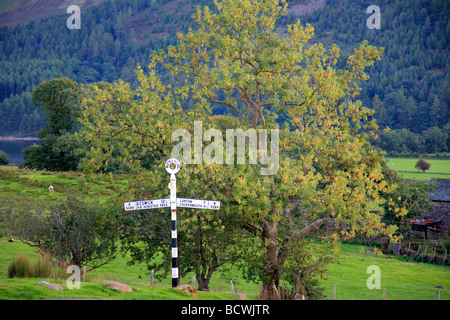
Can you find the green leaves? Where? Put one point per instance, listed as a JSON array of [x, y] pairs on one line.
[[327, 170], [127, 129]]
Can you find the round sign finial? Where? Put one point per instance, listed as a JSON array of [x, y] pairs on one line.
[[173, 166]]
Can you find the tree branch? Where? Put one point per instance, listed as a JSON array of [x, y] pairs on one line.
[[308, 229]]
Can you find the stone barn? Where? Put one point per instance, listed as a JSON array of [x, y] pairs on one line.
[[441, 201]]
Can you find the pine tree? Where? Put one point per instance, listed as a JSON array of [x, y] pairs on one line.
[[380, 112], [422, 118], [438, 114]]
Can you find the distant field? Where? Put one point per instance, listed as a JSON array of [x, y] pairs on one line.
[[438, 167], [31, 186]]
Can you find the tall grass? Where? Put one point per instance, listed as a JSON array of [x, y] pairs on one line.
[[19, 267], [43, 267]]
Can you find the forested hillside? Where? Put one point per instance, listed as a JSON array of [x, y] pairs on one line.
[[408, 88]]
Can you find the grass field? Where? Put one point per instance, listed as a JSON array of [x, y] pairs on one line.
[[401, 279], [135, 276], [30, 186], [438, 169]]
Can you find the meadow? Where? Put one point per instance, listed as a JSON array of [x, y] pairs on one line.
[[403, 280], [439, 168]]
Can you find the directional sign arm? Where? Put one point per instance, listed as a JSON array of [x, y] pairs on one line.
[[146, 204], [198, 204]]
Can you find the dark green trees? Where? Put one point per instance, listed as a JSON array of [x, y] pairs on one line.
[[59, 150]]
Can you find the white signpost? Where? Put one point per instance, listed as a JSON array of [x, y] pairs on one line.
[[173, 166]]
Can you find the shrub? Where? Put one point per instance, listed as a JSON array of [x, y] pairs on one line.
[[73, 232], [447, 243], [4, 158]]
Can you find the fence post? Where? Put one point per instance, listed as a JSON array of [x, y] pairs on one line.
[[384, 293], [334, 292], [151, 276], [438, 295]]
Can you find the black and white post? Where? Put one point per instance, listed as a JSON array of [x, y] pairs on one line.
[[173, 166]]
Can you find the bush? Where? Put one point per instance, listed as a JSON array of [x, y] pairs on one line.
[[4, 158], [447, 243], [73, 232]]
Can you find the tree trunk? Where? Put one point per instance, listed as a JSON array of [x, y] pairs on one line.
[[203, 283], [272, 267], [276, 257], [204, 278]]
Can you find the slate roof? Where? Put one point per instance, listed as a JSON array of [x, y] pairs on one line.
[[442, 190]]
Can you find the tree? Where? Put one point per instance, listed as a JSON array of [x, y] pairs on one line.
[[380, 112], [410, 141], [326, 163], [411, 109], [58, 100], [422, 165], [327, 179], [73, 232], [438, 111], [59, 150], [435, 140], [410, 195], [4, 158]]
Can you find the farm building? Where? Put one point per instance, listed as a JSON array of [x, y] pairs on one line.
[[441, 202]]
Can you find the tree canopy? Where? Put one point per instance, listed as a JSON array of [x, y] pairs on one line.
[[329, 178], [59, 101]]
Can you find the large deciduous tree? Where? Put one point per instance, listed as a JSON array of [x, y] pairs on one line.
[[236, 58], [327, 179]]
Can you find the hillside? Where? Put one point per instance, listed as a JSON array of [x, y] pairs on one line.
[[408, 88], [14, 12]]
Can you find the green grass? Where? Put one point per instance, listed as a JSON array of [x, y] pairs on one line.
[[401, 279], [437, 170], [31, 186], [135, 276]]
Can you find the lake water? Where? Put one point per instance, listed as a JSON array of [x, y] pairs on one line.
[[14, 148]]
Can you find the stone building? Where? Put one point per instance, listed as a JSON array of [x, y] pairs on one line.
[[441, 201]]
